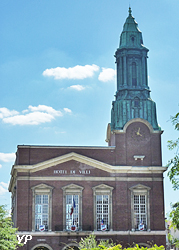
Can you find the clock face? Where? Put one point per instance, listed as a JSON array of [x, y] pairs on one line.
[[138, 134]]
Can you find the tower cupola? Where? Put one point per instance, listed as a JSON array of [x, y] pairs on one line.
[[133, 94], [131, 36]]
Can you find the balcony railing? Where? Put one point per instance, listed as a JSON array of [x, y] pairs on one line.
[[78, 228], [59, 228]]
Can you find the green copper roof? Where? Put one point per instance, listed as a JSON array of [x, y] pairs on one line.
[[131, 36], [133, 94]]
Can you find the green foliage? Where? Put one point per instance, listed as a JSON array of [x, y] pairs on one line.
[[8, 238], [117, 247], [174, 178], [174, 163], [174, 215], [88, 242], [91, 243], [173, 241], [137, 247], [173, 173]]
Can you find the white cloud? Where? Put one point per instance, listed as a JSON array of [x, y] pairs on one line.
[[5, 185], [77, 87], [7, 157], [34, 115], [77, 72], [107, 75], [46, 109], [33, 118], [4, 112], [0, 166], [3, 188], [67, 110]]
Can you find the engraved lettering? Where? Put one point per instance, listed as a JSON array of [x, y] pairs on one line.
[[60, 171]]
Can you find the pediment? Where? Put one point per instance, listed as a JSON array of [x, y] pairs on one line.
[[62, 159], [72, 187], [66, 158], [42, 187], [139, 187], [102, 187]]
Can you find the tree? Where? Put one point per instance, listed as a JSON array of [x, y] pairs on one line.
[[174, 178], [8, 238], [174, 162]]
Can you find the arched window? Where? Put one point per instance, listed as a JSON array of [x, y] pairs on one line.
[[41, 247], [134, 74]]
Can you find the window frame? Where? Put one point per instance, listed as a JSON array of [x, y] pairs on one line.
[[103, 190], [140, 190], [101, 206], [72, 189], [42, 189], [74, 211]]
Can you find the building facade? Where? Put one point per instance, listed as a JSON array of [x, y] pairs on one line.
[[61, 194]]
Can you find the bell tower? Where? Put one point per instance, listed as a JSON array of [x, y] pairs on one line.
[[134, 129]]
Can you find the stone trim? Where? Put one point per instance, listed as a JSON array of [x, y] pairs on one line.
[[88, 161], [92, 178], [84, 233], [137, 120]]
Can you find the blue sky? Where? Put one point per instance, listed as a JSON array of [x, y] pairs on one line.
[[57, 72]]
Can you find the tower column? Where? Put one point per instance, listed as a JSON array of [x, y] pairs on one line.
[[146, 76], [143, 71], [125, 69], [120, 71]]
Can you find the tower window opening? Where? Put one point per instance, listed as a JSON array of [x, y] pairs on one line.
[[136, 102], [134, 74]]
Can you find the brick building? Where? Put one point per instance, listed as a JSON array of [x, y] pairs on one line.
[[60, 194]]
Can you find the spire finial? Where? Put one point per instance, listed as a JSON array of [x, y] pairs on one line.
[[130, 11]]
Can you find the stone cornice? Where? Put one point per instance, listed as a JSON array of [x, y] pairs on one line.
[[84, 233]]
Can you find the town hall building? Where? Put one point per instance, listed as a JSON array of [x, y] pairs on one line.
[[61, 194]]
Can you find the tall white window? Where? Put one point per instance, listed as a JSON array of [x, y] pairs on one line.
[[41, 211], [102, 197], [140, 207], [72, 207], [72, 211], [140, 211], [42, 207], [102, 210]]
